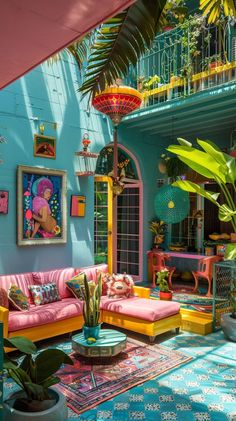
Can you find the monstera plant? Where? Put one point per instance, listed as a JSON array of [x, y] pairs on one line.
[[212, 163]]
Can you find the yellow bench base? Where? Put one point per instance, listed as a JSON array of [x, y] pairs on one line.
[[151, 329], [197, 323]]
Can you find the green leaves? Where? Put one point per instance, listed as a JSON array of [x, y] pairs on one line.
[[22, 344], [195, 188], [120, 42], [214, 9], [34, 375], [212, 163]]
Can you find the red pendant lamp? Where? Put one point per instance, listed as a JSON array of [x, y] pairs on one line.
[[116, 102]]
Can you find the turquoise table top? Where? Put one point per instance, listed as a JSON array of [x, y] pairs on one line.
[[109, 344]]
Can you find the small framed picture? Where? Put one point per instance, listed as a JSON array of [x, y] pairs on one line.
[[44, 146], [77, 205], [4, 196]]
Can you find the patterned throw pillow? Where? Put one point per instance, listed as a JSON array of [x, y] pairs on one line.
[[17, 298], [75, 283], [44, 294], [120, 286], [106, 277], [4, 298]]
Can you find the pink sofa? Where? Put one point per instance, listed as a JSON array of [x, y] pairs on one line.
[[47, 320], [139, 313]]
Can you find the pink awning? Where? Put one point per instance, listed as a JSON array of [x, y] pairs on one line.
[[31, 31]]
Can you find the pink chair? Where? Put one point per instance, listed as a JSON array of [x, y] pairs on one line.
[[205, 271], [158, 263]]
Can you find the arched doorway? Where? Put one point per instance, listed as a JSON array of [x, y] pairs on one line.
[[118, 218]]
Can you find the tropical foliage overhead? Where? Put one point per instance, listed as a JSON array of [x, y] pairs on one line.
[[214, 9], [216, 165], [119, 43]]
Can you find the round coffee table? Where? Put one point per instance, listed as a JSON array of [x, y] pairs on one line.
[[109, 344]]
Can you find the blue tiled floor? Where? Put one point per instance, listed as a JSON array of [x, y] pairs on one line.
[[203, 389]]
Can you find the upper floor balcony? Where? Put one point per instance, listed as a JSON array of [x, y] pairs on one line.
[[190, 58]]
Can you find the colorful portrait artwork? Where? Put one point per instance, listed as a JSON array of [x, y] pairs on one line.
[[44, 146], [4, 201], [41, 206]]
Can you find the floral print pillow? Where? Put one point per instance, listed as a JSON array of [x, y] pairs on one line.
[[17, 298]]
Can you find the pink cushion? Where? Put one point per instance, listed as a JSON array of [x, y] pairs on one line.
[[48, 313], [91, 271], [58, 276], [141, 308], [22, 280]]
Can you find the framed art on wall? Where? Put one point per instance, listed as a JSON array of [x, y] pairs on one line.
[[77, 205], [4, 196], [44, 146], [41, 206]]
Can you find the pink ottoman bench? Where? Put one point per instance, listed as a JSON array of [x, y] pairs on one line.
[[142, 315]]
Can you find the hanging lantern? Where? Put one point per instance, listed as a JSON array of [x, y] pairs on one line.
[[86, 142], [117, 102], [87, 160]]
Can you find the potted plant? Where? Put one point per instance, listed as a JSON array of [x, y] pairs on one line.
[[173, 167], [165, 293], [35, 400], [158, 228], [228, 320], [91, 309]]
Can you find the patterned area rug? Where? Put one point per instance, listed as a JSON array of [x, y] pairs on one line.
[[187, 298], [92, 381]]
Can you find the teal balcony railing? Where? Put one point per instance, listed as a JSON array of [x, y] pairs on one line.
[[188, 59]]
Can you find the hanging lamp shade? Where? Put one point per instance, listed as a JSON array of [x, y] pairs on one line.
[[171, 204], [117, 101]]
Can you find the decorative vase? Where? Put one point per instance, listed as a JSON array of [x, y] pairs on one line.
[[91, 331], [165, 295], [57, 412]]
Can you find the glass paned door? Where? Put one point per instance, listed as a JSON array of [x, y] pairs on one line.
[[103, 221], [128, 253]]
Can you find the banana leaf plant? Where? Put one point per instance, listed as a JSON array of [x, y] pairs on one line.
[[216, 165], [34, 374], [215, 9]]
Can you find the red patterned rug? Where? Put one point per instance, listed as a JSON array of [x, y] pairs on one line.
[[91, 381]]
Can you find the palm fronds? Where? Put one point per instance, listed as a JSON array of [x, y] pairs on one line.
[[119, 42], [215, 8]]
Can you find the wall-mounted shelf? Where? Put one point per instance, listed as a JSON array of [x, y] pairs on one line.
[[87, 163]]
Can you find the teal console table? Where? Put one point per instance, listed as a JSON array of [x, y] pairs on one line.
[[110, 343]]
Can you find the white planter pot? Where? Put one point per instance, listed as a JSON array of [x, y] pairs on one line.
[[58, 412], [228, 325]]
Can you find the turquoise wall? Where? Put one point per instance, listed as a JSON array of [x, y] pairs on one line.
[[47, 94]]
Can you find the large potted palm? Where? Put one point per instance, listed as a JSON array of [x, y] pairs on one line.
[[35, 400]]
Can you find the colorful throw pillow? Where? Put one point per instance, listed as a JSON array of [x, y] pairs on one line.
[[17, 298], [44, 294], [106, 277], [75, 284], [120, 286], [4, 302]]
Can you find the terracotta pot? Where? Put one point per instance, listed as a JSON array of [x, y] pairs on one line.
[[215, 64], [167, 28], [165, 295]]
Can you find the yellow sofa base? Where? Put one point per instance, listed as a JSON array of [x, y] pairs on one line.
[[49, 330], [151, 329]]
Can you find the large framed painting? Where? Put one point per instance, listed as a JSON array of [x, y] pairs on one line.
[[41, 206]]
